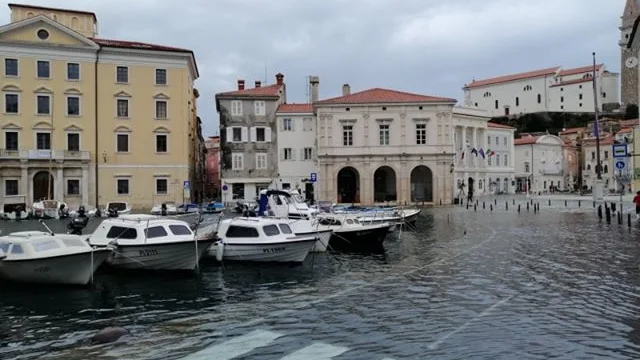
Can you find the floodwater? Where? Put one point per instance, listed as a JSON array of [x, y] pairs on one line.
[[464, 285]]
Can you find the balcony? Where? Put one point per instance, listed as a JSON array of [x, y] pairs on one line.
[[36, 154]]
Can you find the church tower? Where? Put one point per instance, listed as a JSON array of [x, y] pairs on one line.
[[629, 57]]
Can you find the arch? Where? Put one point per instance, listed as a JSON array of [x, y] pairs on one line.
[[30, 14], [122, 128], [73, 127], [505, 185], [421, 184], [348, 185], [43, 90], [11, 88], [161, 96], [122, 94], [42, 186], [384, 184], [72, 91], [470, 189], [161, 129], [43, 125]]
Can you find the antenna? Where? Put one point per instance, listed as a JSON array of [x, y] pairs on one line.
[[265, 73], [306, 86]]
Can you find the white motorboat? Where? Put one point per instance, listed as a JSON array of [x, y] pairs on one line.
[[150, 242], [120, 207], [260, 239], [349, 233], [43, 257], [50, 209], [169, 209]]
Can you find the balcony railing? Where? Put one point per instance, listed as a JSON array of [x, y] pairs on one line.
[[38, 154]]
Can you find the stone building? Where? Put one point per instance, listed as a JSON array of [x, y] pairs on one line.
[[629, 51]]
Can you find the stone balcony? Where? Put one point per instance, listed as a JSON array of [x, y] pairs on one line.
[[36, 154]]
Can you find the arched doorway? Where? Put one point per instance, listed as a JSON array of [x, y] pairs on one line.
[[384, 184], [421, 184], [348, 185], [42, 186]]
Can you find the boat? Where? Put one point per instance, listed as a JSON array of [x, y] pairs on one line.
[[188, 208], [50, 209], [117, 208], [166, 208], [350, 234], [214, 208], [149, 242], [289, 205], [376, 215], [48, 258], [260, 239]]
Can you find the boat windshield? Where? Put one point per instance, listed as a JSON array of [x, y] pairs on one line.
[[298, 198], [4, 247], [44, 245]]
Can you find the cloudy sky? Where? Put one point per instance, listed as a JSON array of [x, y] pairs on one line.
[[431, 47]]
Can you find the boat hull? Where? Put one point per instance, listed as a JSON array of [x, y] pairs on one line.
[[359, 240], [285, 252], [73, 269], [166, 256], [324, 236]]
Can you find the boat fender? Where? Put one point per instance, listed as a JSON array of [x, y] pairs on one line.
[[220, 250], [109, 334]]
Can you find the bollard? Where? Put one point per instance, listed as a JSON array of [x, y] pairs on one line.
[[514, 202], [565, 203], [440, 202], [483, 207], [476, 201], [549, 202], [613, 207], [475, 207], [518, 208], [607, 214], [495, 201], [527, 206], [600, 212], [619, 218], [467, 205], [506, 205], [594, 203], [629, 219], [491, 207]]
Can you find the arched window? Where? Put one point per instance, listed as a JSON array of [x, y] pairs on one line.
[[487, 94]]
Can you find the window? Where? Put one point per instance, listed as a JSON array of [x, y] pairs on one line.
[[489, 160], [606, 154], [497, 141], [497, 104], [236, 108], [73, 142], [43, 104], [260, 134], [604, 94], [179, 230], [347, 135], [580, 105], [528, 88], [579, 96], [287, 125], [73, 71], [73, 106], [561, 98], [308, 153], [11, 67], [122, 186], [287, 154], [593, 155], [488, 140], [11, 102], [241, 232], [122, 74], [11, 140], [421, 134], [155, 231], [43, 69], [271, 230], [122, 233], [506, 160], [161, 76], [122, 108], [261, 161], [237, 134], [161, 143], [11, 187], [307, 124], [237, 161], [526, 167], [161, 109], [259, 107], [43, 141], [162, 186], [384, 134], [498, 160], [539, 99], [285, 229], [517, 101], [122, 145], [73, 187], [504, 141], [606, 169]]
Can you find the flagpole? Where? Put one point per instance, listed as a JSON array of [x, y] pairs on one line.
[[596, 128]]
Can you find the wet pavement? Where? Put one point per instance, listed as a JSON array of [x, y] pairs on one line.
[[466, 284]]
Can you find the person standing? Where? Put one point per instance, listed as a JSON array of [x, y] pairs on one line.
[[636, 200]]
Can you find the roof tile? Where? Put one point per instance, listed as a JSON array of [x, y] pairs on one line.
[[136, 45], [579, 70], [383, 96], [572, 82], [513, 77], [499, 126], [269, 90], [295, 108], [527, 140]]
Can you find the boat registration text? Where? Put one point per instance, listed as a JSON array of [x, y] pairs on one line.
[[149, 252], [274, 250]]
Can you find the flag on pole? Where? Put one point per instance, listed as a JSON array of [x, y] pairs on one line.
[[474, 151], [481, 152]]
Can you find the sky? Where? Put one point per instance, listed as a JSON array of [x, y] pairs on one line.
[[430, 47]]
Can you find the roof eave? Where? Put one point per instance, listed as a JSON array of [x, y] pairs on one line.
[[439, 102]]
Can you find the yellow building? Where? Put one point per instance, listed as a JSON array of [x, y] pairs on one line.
[[88, 120]]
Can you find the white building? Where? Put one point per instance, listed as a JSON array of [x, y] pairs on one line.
[[296, 147], [589, 153], [382, 145], [487, 168], [552, 89], [539, 163]]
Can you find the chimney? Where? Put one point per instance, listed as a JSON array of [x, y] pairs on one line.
[[240, 84], [279, 79], [314, 82], [346, 90], [258, 83]]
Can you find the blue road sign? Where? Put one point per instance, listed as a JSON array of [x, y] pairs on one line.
[[225, 187], [620, 151], [620, 165], [314, 177], [187, 184]]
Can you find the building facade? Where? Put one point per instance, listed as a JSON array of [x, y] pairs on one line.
[[501, 159], [629, 52], [212, 187], [589, 174], [551, 89], [385, 146], [248, 138], [539, 162], [73, 103]]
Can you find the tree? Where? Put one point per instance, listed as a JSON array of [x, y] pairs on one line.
[[631, 112]]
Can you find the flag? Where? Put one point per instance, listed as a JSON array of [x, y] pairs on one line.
[[481, 152], [488, 152], [474, 151], [492, 153], [462, 156]]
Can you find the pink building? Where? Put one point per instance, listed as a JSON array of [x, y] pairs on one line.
[[213, 166]]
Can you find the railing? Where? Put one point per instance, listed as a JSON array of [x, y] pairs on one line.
[[38, 154]]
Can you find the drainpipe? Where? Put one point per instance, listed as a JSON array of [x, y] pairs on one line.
[[96, 152]]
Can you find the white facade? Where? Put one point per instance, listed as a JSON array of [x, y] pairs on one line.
[[296, 148], [589, 174], [385, 146], [539, 163], [543, 90], [489, 174]]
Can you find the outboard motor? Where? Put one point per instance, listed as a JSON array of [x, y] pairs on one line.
[[163, 209], [63, 212], [98, 213], [82, 212], [77, 224], [113, 213]]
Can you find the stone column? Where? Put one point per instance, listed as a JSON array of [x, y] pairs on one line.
[[85, 185], [58, 189], [24, 185]]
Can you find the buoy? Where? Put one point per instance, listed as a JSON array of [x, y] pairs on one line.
[[219, 250]]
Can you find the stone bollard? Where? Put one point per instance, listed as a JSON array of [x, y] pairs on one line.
[[483, 205], [549, 202], [565, 203], [491, 207], [506, 205], [527, 206], [475, 207], [495, 201], [619, 218], [600, 212], [607, 214], [629, 220], [518, 208]]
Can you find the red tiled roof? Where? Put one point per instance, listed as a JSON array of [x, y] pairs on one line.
[[572, 130], [52, 9], [629, 122], [572, 82], [499, 126], [136, 45], [579, 70], [605, 139], [383, 96], [513, 77], [295, 108], [527, 140], [269, 90], [625, 130]]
